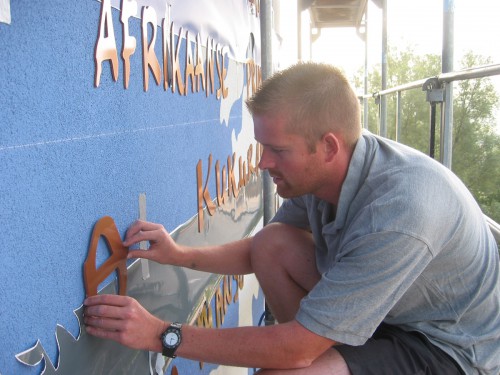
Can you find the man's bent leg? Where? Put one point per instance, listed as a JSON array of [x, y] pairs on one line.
[[390, 350], [330, 363], [284, 262]]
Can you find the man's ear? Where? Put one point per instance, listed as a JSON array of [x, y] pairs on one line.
[[331, 146]]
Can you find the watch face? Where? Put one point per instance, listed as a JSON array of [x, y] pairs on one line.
[[171, 339]]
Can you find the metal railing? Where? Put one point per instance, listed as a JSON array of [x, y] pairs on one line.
[[435, 88]]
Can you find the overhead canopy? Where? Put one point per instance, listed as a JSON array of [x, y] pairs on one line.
[[335, 13]]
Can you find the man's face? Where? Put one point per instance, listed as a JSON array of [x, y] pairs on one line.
[[294, 169]]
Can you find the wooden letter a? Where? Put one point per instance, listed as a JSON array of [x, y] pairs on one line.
[[106, 228]]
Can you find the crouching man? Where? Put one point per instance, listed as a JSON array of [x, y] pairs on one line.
[[378, 262]]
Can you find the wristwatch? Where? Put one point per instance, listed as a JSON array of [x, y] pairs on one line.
[[171, 339]]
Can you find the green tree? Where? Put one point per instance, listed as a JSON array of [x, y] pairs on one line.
[[476, 146], [404, 67]]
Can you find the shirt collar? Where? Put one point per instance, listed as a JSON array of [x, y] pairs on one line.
[[353, 181]]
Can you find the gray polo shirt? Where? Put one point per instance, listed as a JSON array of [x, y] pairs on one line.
[[407, 245]]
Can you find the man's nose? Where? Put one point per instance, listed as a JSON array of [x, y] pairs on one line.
[[266, 160]]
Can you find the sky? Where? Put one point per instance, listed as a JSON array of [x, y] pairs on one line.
[[418, 24]]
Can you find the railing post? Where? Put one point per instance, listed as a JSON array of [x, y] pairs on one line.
[[432, 135], [383, 98], [434, 94], [398, 117], [447, 66], [377, 97], [269, 195], [365, 99], [266, 27]]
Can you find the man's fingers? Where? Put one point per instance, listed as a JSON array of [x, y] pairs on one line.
[[141, 225], [132, 239], [141, 231], [107, 324], [107, 299], [104, 312], [115, 335], [145, 254]]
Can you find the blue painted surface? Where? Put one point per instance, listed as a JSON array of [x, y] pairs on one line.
[[71, 153], [231, 319]]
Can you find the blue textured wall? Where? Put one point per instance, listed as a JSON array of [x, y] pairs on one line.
[[71, 153]]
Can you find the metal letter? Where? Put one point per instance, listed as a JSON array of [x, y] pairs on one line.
[[149, 58], [129, 9], [106, 46], [176, 68]]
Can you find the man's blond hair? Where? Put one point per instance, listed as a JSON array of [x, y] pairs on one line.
[[314, 98]]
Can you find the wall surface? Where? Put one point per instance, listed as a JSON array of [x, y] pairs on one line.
[[72, 152]]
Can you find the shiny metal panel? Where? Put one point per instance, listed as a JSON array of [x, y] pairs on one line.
[[171, 293]]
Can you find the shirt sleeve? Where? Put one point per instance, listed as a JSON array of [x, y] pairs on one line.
[[292, 212]]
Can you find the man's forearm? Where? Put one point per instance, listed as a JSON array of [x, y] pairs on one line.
[[283, 346], [229, 259]]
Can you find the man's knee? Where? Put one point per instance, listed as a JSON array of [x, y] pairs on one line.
[[331, 362], [267, 243], [280, 244], [281, 247]]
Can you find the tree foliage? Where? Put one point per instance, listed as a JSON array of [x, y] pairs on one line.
[[476, 145]]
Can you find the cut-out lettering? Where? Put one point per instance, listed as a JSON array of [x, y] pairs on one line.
[[149, 59], [93, 276], [175, 61], [129, 9], [106, 44]]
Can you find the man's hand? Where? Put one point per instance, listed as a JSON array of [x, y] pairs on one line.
[[124, 320], [162, 248]]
